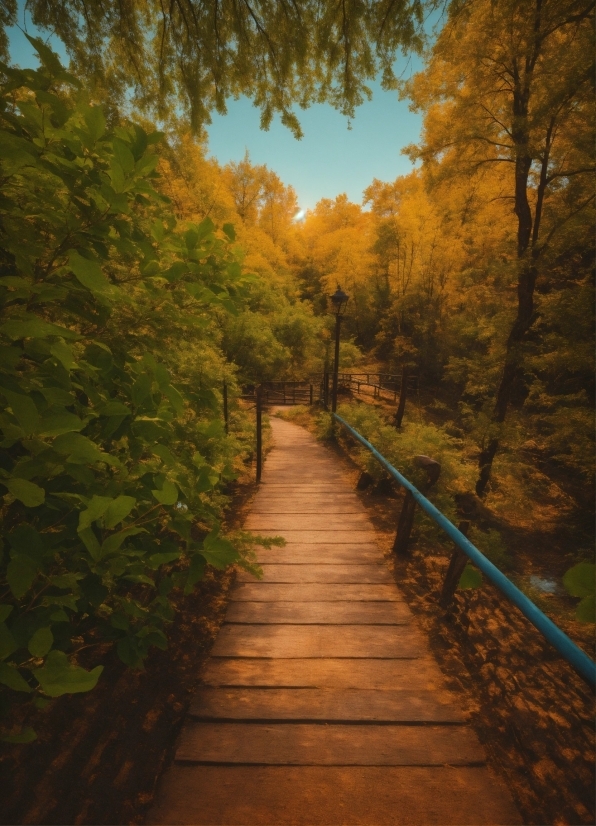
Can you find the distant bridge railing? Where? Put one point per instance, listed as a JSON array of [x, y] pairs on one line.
[[377, 385], [316, 387], [466, 550]]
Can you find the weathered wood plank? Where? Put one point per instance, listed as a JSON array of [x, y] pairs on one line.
[[315, 592], [330, 705], [318, 796], [304, 744], [421, 673], [306, 504], [296, 641], [330, 613], [295, 553], [313, 522], [354, 574], [308, 537]]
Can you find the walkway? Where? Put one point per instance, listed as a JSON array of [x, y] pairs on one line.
[[321, 703]]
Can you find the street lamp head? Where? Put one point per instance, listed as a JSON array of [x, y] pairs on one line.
[[339, 300]]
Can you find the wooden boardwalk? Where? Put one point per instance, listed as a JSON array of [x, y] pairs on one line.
[[321, 703]]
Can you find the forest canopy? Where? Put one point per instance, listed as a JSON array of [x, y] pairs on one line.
[[195, 54]]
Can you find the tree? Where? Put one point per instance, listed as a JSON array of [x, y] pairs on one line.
[[195, 54], [511, 83]]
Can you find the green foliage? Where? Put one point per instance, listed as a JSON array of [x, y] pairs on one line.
[[580, 581], [277, 54], [112, 448], [471, 578], [400, 448]]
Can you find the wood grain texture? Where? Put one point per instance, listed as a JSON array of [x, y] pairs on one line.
[[327, 796], [330, 705], [313, 592], [297, 641], [356, 573], [305, 744], [328, 613], [295, 553], [422, 673]]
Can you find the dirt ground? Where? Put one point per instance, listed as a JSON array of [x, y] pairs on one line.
[[99, 756], [532, 712]]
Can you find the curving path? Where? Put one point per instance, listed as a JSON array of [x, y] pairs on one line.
[[321, 703]]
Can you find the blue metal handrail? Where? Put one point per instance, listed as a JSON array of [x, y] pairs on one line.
[[566, 647]]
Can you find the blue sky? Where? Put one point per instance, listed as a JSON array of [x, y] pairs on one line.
[[330, 158]]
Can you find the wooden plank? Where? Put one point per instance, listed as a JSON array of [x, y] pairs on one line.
[[330, 705], [355, 574], [315, 592], [300, 503], [304, 744], [308, 537], [296, 641], [285, 592], [191, 795], [314, 522], [421, 673], [296, 554], [330, 613]]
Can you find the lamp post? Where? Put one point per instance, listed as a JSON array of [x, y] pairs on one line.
[[339, 300]]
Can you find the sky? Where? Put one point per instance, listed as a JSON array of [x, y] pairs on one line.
[[329, 160]]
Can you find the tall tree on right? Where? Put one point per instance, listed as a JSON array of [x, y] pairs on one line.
[[512, 83]]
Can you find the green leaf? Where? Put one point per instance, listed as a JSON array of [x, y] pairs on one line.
[[129, 653], [24, 411], [579, 581], [113, 408], [118, 510], [20, 573], [41, 642], [141, 389], [586, 610], [155, 560], [30, 494], [96, 509], [96, 122], [8, 644], [5, 611], [10, 677], [229, 231], [49, 59], [168, 495], [113, 542], [88, 273], [196, 573], [63, 353], [26, 735], [470, 578], [55, 424], [78, 448], [58, 676], [34, 328], [174, 397], [90, 541], [219, 552], [205, 228]]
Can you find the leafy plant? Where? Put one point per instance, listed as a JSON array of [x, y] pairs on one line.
[[111, 456], [580, 581]]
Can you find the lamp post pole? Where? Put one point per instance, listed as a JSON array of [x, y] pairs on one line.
[[339, 300], [335, 364]]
